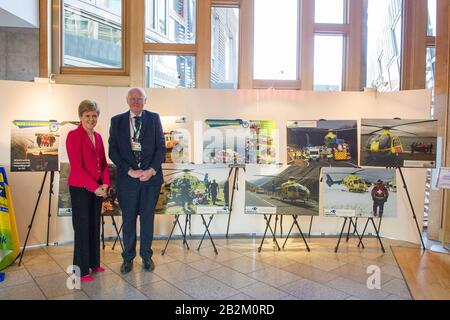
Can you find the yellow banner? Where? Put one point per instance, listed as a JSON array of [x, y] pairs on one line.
[[9, 236]]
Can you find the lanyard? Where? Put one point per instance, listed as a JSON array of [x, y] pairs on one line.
[[135, 130]]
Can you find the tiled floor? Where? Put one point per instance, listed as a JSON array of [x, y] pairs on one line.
[[239, 272]]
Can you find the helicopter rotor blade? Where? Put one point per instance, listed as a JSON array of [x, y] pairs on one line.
[[411, 133], [414, 122]]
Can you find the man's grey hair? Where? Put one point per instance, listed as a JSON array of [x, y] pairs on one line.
[[142, 91]]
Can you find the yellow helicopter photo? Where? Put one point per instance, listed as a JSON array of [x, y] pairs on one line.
[[398, 143], [352, 181]]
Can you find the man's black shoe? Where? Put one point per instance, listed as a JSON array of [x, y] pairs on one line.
[[148, 264], [126, 267]]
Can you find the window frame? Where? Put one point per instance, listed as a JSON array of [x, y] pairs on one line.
[[58, 45]]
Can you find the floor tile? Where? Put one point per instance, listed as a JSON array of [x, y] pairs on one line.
[[262, 291], [39, 270], [75, 296], [356, 289], [27, 291], [308, 272], [245, 264], [224, 255], [205, 265], [305, 289], [274, 277], [358, 273], [54, 285], [111, 287], [206, 288], [231, 277], [15, 278], [137, 277], [163, 290], [240, 296], [176, 272], [397, 287]]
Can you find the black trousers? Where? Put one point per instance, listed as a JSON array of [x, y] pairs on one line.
[[380, 205], [138, 200], [86, 210]]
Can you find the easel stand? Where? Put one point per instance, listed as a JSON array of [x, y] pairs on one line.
[[175, 223], [412, 207], [350, 223], [207, 232], [295, 222], [50, 193], [268, 227], [377, 231], [235, 188], [115, 227]]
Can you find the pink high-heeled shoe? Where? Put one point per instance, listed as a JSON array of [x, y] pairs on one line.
[[99, 269], [87, 278]]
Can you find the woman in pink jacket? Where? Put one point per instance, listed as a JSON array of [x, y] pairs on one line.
[[89, 181]]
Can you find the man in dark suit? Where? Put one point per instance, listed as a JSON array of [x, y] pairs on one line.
[[137, 148]]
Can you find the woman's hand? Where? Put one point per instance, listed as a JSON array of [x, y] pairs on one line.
[[100, 192]]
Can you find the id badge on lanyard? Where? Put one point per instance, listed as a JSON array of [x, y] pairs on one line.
[[135, 142]]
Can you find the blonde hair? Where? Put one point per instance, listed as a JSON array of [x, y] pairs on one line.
[[87, 106]]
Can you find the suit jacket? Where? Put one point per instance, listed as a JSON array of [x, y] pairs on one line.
[[87, 162], [153, 147]]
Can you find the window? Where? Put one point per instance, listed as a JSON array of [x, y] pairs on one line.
[[92, 33], [170, 71], [432, 18], [170, 21], [224, 47], [328, 62], [384, 29], [276, 40], [329, 11]]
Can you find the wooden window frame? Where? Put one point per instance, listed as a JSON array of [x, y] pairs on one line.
[[58, 45]]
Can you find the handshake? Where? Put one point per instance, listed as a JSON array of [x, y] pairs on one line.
[[142, 175]]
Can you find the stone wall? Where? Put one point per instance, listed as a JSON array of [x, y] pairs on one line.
[[19, 54]]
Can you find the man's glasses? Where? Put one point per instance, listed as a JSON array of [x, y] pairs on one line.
[[137, 99]]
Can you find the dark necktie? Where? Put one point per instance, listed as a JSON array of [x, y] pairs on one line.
[[137, 128]]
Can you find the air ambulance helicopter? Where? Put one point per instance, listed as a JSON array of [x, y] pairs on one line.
[[352, 181], [383, 140], [290, 190]]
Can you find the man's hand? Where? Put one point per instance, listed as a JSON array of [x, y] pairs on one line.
[[135, 174], [147, 175], [105, 188]]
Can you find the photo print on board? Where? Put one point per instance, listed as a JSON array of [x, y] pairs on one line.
[[282, 189], [194, 189], [353, 192], [322, 143], [239, 141], [177, 138], [398, 143], [34, 145], [110, 204]]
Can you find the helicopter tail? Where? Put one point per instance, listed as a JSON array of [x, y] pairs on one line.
[[330, 181]]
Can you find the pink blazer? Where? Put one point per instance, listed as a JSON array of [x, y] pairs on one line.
[[87, 162]]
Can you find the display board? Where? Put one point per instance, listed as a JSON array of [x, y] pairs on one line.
[[34, 145], [55, 101], [239, 141], [110, 203], [369, 192], [282, 189], [178, 139], [194, 189], [322, 143], [398, 143]]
